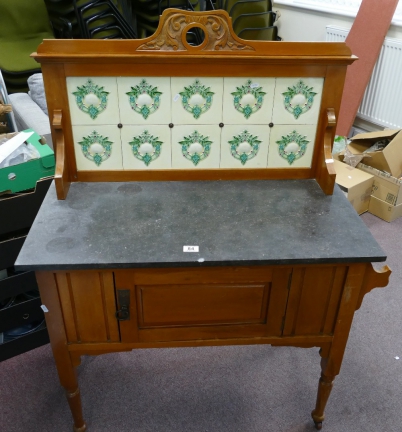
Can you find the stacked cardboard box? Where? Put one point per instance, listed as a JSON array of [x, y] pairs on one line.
[[386, 194], [356, 184], [385, 167]]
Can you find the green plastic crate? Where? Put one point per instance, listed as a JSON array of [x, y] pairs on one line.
[[24, 176]]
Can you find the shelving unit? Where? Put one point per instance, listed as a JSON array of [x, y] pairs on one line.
[[18, 288]]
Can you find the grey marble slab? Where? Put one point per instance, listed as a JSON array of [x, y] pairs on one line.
[[146, 224]]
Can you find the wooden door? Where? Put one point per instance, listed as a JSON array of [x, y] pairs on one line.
[[203, 303]]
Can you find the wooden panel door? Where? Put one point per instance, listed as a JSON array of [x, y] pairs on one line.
[[208, 303]]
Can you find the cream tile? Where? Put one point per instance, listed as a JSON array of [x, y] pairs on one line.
[[290, 139], [154, 149], [244, 151], [203, 150], [211, 112], [154, 98], [103, 147], [244, 107], [301, 87], [98, 100]]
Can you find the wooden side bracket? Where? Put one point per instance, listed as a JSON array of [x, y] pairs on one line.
[[61, 177], [325, 170], [373, 279]]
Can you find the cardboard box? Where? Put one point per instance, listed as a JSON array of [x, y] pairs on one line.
[[389, 159], [24, 176], [384, 210], [385, 187], [356, 184]]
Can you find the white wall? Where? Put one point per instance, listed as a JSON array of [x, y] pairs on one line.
[[299, 24]]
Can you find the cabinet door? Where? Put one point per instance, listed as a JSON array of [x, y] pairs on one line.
[[194, 304]]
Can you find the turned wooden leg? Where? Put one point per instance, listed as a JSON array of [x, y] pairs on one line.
[[74, 401], [324, 390]]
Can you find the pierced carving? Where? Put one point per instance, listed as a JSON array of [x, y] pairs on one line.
[[174, 25]]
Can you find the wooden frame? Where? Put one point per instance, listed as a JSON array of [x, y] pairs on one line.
[[221, 54]]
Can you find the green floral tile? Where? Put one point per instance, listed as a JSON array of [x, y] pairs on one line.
[[197, 100], [93, 100], [248, 100], [196, 147], [146, 147], [297, 100], [291, 146], [97, 148], [144, 100], [244, 148]]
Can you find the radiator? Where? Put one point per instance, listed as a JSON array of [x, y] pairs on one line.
[[381, 102]]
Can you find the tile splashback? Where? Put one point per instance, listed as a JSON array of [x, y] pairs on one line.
[[146, 123]]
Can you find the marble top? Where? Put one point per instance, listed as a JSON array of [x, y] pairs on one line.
[[147, 224]]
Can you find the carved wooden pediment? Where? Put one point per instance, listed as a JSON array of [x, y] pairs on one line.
[[174, 25]]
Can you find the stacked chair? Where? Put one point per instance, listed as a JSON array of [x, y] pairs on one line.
[[23, 26], [252, 19], [148, 12], [92, 19]]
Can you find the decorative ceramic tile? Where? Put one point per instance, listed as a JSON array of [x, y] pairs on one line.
[[291, 146], [97, 147], [146, 147], [93, 101], [144, 100], [248, 100], [196, 146], [297, 100], [244, 146], [197, 100]]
